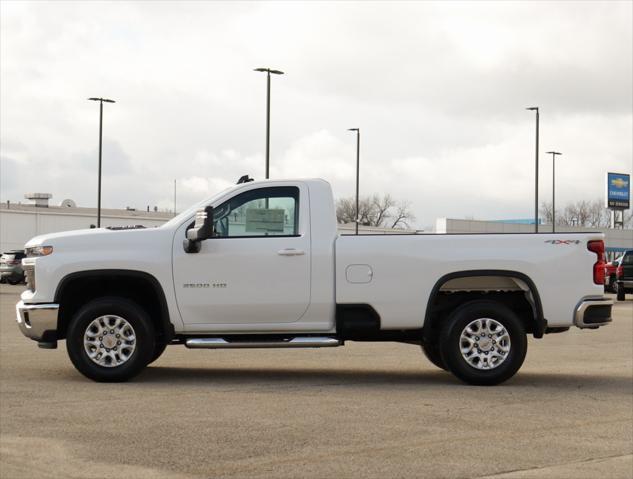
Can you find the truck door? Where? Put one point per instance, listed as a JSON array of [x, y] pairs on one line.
[[256, 269]]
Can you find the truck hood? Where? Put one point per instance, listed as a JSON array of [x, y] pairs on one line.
[[100, 238]]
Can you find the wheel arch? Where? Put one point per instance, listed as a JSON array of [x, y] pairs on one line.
[[138, 286], [539, 323]]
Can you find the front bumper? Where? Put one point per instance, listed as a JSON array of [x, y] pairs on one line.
[[626, 283], [38, 321], [593, 313]]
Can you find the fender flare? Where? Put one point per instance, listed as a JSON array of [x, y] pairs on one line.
[[540, 323], [165, 322]]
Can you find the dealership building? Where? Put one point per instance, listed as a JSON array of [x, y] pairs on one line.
[[20, 222]]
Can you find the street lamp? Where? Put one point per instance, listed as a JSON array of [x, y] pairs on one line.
[[175, 213], [268, 73], [357, 130], [553, 153], [535, 108], [100, 100]]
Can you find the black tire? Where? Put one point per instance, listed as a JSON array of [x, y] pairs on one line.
[[612, 285], [432, 353], [14, 281], [143, 332], [621, 293], [450, 342], [159, 349]]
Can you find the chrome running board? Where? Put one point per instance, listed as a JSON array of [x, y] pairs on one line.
[[300, 342]]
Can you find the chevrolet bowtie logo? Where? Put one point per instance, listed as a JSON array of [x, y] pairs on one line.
[[619, 183]]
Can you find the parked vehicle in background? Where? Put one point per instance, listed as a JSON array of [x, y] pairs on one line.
[[624, 283], [610, 274], [261, 265], [11, 267]]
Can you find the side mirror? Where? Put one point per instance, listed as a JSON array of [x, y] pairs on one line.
[[202, 230]]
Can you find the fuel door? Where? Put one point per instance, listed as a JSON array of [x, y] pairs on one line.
[[359, 273]]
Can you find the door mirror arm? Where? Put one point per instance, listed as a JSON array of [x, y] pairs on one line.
[[202, 230]]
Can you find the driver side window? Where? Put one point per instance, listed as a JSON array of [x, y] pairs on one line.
[[261, 212]]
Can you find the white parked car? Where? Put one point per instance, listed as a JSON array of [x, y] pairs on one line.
[[261, 265]]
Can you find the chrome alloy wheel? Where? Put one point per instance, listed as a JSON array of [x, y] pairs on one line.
[[109, 341], [484, 343]]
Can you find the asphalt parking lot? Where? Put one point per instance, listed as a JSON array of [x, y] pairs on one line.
[[364, 410]]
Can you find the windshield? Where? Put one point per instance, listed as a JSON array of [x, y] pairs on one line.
[[191, 211]]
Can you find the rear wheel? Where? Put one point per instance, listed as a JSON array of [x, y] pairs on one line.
[[110, 339], [432, 353], [483, 343]]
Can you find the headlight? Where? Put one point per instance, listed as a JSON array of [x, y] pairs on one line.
[[38, 251]]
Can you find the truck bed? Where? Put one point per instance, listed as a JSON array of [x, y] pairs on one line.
[[399, 272]]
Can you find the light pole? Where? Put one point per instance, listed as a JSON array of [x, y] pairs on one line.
[[553, 153], [535, 108], [100, 100], [175, 214], [268, 72], [357, 130]]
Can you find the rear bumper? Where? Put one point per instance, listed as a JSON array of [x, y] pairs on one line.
[[626, 283], [38, 321], [593, 313]]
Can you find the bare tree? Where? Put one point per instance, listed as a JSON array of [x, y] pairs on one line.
[[376, 211], [381, 207], [546, 212], [346, 210], [598, 214], [402, 216], [581, 213], [366, 212], [627, 218]]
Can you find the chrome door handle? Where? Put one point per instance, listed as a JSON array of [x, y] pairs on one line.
[[290, 252]]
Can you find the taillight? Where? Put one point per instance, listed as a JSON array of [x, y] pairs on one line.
[[619, 272], [598, 267]]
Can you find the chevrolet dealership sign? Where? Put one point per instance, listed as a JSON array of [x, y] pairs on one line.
[[618, 191]]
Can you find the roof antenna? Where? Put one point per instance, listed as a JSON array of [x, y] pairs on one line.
[[244, 179]]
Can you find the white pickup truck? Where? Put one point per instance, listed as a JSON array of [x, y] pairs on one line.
[[261, 265]]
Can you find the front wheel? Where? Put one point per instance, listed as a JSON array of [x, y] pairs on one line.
[[483, 343], [159, 349], [110, 339]]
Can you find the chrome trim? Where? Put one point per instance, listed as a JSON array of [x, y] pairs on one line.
[[35, 319], [301, 342], [579, 314]]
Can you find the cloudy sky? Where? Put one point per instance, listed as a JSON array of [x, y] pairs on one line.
[[439, 90]]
